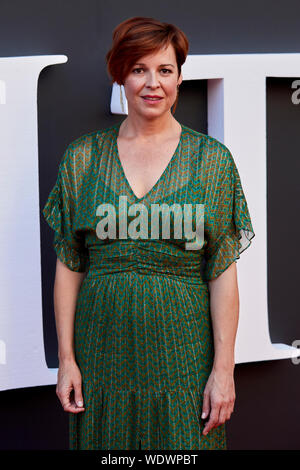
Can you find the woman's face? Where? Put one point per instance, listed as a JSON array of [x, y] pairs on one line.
[[153, 75]]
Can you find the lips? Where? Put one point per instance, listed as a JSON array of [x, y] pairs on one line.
[[152, 98]]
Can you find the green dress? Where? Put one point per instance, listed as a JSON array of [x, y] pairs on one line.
[[143, 333]]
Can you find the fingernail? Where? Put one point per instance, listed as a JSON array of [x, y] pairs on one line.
[[203, 415], [80, 403]]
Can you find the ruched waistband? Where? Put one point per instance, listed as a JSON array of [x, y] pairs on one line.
[[145, 261]]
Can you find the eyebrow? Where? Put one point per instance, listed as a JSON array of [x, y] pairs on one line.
[[161, 65]]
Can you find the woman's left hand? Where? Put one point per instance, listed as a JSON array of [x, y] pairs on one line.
[[218, 398]]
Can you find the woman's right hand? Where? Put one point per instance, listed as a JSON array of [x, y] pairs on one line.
[[69, 379]]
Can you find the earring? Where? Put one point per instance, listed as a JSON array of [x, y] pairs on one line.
[[121, 100]]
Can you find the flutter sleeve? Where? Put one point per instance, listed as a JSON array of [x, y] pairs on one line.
[[59, 212], [228, 228]]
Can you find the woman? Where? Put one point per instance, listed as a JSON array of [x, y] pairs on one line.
[[146, 326]]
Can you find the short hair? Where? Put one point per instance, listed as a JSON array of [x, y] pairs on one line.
[[139, 36]]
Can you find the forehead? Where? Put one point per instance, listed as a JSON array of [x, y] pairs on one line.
[[164, 56]]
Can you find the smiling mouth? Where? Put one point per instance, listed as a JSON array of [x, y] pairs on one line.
[[151, 99]]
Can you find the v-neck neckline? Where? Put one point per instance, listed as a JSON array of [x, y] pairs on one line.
[[170, 163]]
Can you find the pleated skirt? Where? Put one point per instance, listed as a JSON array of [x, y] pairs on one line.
[[144, 346]]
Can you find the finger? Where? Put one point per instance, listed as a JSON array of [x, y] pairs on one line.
[[209, 425], [74, 408], [68, 403], [64, 397], [78, 395], [230, 411], [71, 407], [205, 406], [213, 419], [223, 414]]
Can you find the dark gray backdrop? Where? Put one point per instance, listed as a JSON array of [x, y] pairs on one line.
[[73, 98]]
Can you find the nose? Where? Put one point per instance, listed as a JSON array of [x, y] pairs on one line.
[[152, 80]]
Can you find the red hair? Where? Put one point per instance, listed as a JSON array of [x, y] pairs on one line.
[[140, 36]]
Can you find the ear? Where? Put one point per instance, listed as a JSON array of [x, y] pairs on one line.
[[180, 79]]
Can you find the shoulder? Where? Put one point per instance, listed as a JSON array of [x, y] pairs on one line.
[[86, 141], [209, 149], [79, 152], [206, 141]]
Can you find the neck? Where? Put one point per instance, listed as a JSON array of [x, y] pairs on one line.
[[140, 128]]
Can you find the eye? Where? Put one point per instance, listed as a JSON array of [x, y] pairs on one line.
[[140, 68]]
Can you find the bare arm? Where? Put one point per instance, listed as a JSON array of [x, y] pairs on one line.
[[224, 307], [66, 288], [219, 393]]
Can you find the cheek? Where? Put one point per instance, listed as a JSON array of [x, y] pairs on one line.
[[132, 94], [171, 87], [133, 87], [171, 91]]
